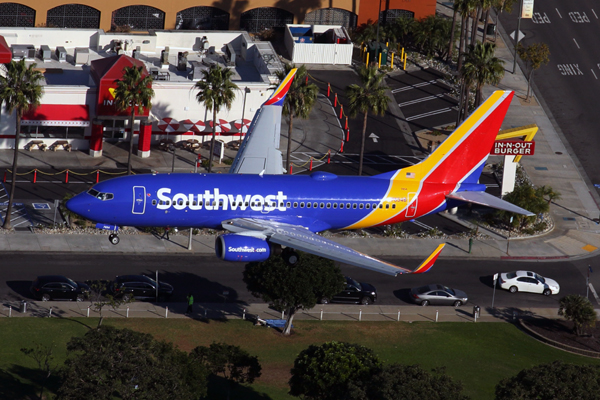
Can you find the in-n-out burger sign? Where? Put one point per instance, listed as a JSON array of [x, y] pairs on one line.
[[513, 148]]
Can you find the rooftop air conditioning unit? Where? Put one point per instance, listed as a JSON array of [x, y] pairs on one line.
[[61, 54], [45, 53]]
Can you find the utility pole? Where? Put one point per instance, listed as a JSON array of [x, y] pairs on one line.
[[518, 31]]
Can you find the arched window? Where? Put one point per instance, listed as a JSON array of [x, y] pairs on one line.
[[202, 18], [14, 14], [332, 16], [388, 16], [73, 16], [138, 18], [259, 19]]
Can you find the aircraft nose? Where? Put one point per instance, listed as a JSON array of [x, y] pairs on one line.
[[79, 205]]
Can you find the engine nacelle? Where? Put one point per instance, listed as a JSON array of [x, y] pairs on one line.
[[232, 247]]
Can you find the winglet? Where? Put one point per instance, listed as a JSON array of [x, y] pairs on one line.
[[278, 96], [428, 263]]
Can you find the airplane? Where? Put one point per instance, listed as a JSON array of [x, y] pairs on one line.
[[272, 213]]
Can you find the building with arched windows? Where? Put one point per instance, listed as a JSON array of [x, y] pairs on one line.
[[252, 16]]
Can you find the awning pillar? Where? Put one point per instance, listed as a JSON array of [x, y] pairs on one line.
[[144, 139], [96, 140]]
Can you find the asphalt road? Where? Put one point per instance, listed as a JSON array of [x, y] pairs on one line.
[[569, 82], [208, 278]]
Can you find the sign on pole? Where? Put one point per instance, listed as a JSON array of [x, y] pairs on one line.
[[494, 294], [219, 150], [513, 148], [527, 10]]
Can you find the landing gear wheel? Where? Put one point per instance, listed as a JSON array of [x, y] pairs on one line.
[[290, 256], [513, 289], [113, 239]]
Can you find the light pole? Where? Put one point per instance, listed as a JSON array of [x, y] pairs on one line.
[[246, 91], [517, 36], [378, 23], [172, 148]]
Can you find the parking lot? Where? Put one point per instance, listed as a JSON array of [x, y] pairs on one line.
[[424, 99]]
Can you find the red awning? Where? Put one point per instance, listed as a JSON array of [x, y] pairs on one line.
[[5, 52], [57, 115]]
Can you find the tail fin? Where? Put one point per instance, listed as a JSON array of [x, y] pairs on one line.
[[460, 158], [259, 152], [428, 263]]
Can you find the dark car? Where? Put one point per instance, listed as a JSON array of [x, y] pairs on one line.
[[355, 292], [438, 294], [139, 287], [58, 287]]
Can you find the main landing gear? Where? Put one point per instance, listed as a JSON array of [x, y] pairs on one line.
[[290, 256], [113, 238]]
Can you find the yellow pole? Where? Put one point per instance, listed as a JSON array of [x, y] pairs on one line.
[[404, 68], [402, 55], [393, 60], [387, 44], [367, 63], [379, 60]]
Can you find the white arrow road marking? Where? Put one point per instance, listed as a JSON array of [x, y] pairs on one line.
[[374, 137]]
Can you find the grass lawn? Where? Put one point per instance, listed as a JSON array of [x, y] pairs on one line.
[[479, 355]]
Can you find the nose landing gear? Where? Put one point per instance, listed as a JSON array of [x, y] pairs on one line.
[[113, 238]]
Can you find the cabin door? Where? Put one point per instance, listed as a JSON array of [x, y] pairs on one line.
[[139, 200], [411, 209]]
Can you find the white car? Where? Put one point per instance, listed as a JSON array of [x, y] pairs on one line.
[[527, 281]]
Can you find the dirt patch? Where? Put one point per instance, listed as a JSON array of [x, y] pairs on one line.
[[562, 331]]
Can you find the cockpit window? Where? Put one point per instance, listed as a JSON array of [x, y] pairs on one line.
[[100, 195]]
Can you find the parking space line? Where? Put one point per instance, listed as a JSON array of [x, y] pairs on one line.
[[429, 114], [594, 292], [422, 99], [418, 85]]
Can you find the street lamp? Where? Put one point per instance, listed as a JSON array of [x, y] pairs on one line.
[[246, 91], [172, 148], [378, 23]]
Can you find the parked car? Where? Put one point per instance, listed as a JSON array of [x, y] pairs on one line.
[[355, 292], [527, 281], [58, 287], [438, 294], [139, 287]]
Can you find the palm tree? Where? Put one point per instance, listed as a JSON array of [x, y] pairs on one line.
[[486, 6], [134, 92], [299, 101], [20, 90], [483, 67], [579, 310], [464, 7], [215, 90], [370, 97], [452, 37]]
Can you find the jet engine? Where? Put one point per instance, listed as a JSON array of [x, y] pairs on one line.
[[233, 247]]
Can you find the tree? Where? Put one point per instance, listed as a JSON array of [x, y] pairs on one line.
[[294, 287], [499, 6], [215, 91], [464, 8], [534, 55], [100, 298], [299, 101], [400, 382], [365, 32], [370, 97], [529, 198], [43, 357], [482, 67], [134, 92], [452, 41], [400, 31], [579, 310], [111, 363], [556, 380], [549, 194], [232, 362], [431, 35], [20, 90], [332, 371]]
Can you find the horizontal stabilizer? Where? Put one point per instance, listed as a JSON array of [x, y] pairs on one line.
[[486, 199], [428, 263]]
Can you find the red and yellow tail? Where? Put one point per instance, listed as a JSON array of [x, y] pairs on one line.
[[428, 263]]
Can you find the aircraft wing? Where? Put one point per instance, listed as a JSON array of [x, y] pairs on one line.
[[300, 238], [486, 199], [259, 151]]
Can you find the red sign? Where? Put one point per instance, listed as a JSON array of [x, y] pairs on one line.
[[513, 148]]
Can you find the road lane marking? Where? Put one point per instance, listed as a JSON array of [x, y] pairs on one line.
[[594, 13], [429, 114], [576, 43], [433, 82], [422, 99], [594, 292], [594, 74], [558, 12]]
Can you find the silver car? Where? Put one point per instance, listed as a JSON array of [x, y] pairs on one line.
[[438, 294]]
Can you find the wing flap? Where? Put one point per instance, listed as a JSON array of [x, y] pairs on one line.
[[302, 239], [486, 199]]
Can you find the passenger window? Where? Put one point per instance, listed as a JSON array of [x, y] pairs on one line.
[[354, 206], [288, 205], [295, 204], [322, 205], [315, 205], [341, 205], [360, 206], [334, 205], [374, 206], [394, 205], [109, 196], [301, 205], [381, 206], [220, 204], [347, 205], [387, 205], [153, 202], [328, 205], [368, 206], [308, 205], [247, 204]]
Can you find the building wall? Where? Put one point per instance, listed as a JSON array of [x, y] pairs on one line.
[[365, 9]]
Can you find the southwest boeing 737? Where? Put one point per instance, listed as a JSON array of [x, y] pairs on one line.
[[262, 209]]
